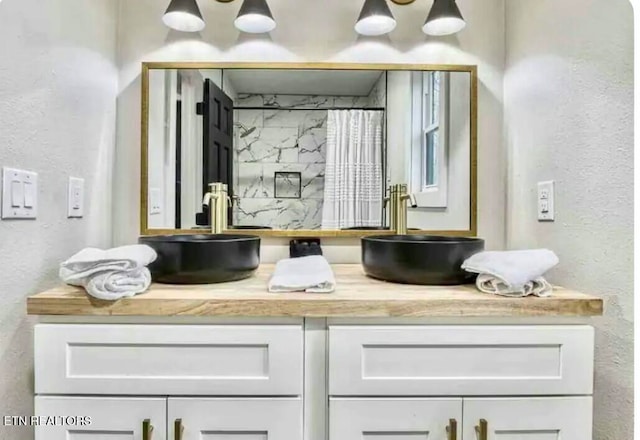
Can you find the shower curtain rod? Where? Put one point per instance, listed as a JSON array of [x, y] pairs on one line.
[[310, 109]]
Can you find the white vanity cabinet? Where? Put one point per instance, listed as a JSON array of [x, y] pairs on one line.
[[244, 382], [388, 382], [315, 379]]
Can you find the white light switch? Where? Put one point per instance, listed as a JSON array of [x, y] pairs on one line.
[[76, 198], [19, 194], [546, 202]]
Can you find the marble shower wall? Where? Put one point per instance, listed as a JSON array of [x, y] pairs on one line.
[[281, 140], [378, 95]]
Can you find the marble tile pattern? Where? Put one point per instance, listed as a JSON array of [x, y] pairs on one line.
[[281, 140], [378, 96]]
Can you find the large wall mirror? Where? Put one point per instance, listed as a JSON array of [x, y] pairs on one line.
[[308, 149]]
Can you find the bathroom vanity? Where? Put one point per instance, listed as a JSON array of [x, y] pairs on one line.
[[373, 360]]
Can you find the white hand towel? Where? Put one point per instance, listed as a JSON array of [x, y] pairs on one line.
[[311, 274], [491, 284], [515, 273], [110, 274]]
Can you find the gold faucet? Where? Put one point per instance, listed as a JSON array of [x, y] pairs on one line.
[[398, 198], [218, 201]]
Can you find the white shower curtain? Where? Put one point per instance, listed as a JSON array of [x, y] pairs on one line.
[[353, 177]]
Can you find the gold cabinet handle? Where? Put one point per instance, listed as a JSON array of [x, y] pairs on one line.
[[482, 430], [147, 429], [178, 429], [452, 430]]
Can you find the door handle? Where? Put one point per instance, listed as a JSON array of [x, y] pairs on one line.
[[452, 430], [482, 430], [178, 429], [147, 429]]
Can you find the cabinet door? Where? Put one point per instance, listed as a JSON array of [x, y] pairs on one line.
[[89, 418], [561, 418], [395, 419], [235, 419]]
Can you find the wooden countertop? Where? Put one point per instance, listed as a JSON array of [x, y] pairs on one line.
[[356, 296]]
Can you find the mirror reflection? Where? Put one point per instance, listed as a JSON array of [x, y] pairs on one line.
[[308, 149]]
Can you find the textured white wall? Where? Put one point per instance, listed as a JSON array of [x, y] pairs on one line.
[[314, 31], [569, 118], [58, 83]]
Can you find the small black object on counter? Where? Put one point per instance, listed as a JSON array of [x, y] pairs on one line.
[[304, 247]]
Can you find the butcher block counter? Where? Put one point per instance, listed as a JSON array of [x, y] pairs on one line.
[[356, 295]]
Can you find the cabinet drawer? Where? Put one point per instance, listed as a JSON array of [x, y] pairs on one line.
[[168, 359], [460, 360], [241, 419]]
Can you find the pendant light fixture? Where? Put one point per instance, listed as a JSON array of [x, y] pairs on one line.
[[444, 19], [375, 19], [255, 17], [184, 16]]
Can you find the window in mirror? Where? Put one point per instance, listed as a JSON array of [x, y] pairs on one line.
[[430, 110]]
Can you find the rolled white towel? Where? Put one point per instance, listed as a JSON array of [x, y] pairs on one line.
[[311, 274], [513, 273], [490, 284], [110, 274]]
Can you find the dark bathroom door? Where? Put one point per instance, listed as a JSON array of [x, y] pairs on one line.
[[217, 114]]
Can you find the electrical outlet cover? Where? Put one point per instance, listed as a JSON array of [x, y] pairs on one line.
[[546, 201], [75, 208]]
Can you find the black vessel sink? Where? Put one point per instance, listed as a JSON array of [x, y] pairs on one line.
[[203, 259], [419, 259]]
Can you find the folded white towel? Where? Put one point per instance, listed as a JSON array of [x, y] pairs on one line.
[[311, 274], [515, 273], [110, 274], [491, 284]]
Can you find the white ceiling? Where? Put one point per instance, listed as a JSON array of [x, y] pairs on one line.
[[303, 82]]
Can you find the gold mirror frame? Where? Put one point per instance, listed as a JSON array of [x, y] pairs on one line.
[[144, 174]]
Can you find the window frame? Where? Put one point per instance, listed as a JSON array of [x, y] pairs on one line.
[[429, 195]]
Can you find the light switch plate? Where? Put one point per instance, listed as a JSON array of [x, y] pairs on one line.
[[546, 201], [19, 194], [155, 201], [76, 198]]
